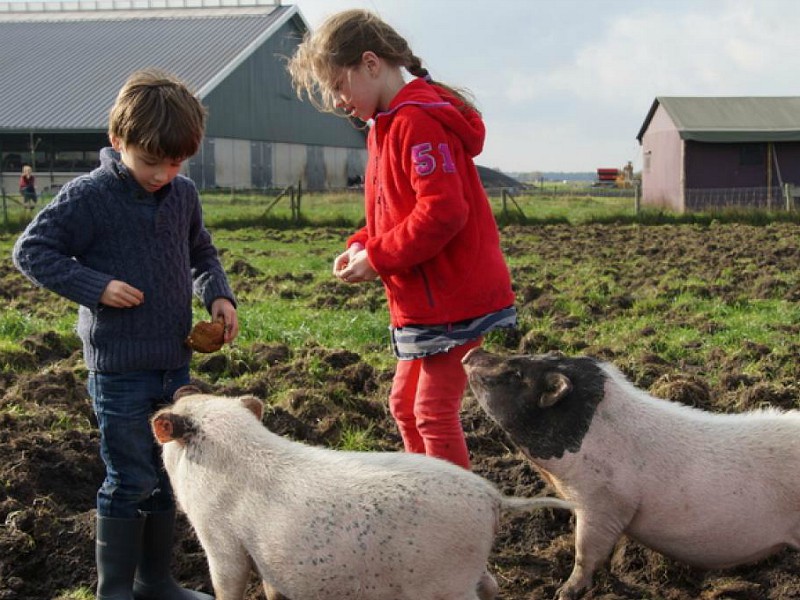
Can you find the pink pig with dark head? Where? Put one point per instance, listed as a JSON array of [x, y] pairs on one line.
[[710, 490]]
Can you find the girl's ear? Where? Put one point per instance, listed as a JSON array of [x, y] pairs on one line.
[[371, 61]]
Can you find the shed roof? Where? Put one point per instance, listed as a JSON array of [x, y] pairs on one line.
[[62, 70], [731, 119]]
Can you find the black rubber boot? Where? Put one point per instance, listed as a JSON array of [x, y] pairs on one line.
[[153, 579], [117, 550]]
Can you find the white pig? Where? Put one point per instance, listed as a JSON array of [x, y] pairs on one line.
[[710, 490], [320, 524]]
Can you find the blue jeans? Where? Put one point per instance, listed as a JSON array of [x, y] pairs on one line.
[[135, 477]]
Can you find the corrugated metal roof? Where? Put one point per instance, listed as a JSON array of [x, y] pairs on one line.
[[63, 71], [731, 119]]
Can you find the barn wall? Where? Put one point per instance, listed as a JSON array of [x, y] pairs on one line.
[[788, 154], [261, 164], [289, 164], [232, 163], [726, 165], [662, 150], [245, 164], [257, 102], [344, 165]]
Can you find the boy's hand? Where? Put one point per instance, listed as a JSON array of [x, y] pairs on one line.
[[223, 309], [119, 294]]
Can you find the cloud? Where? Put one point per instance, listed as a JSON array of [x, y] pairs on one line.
[[744, 49]]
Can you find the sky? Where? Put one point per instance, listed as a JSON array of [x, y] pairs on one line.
[[565, 85]]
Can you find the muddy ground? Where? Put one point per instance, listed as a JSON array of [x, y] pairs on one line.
[[50, 469]]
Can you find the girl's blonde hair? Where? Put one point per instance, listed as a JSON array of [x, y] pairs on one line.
[[339, 43]]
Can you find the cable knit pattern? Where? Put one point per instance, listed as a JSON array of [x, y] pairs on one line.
[[105, 226]]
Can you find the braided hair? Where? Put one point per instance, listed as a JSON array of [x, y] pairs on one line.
[[339, 43]]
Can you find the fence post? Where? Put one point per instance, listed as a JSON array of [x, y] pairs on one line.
[[637, 202], [299, 197], [5, 209], [505, 205], [787, 194]]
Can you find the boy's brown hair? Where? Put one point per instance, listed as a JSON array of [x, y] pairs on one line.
[[157, 112]]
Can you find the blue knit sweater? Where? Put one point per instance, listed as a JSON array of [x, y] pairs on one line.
[[105, 226]]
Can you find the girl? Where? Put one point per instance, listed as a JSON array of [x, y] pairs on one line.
[[430, 234], [27, 187]]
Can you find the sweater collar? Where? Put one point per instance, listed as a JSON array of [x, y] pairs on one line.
[[111, 164]]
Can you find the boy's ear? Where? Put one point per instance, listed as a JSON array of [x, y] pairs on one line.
[[116, 143]]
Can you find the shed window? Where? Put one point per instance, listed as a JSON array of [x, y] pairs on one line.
[[751, 154]]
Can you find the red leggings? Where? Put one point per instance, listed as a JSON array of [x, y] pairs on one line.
[[426, 401]]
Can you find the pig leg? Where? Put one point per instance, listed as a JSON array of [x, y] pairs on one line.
[[229, 571], [487, 587], [595, 538]]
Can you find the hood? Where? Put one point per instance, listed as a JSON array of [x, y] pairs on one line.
[[452, 113]]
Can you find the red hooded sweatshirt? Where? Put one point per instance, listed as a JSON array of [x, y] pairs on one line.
[[430, 231]]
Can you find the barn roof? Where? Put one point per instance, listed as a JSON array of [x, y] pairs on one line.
[[731, 119], [61, 70]]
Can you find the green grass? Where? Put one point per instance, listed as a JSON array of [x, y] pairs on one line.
[[16, 324], [357, 439], [81, 593], [226, 210], [281, 301]]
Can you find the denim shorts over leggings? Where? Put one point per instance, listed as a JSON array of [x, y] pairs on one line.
[[124, 402]]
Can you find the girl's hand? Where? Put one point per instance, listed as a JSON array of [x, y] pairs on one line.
[[119, 294], [222, 309], [345, 258], [358, 269]]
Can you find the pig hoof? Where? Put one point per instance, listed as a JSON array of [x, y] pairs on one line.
[[272, 594], [565, 593]]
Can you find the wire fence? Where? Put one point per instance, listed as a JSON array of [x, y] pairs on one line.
[[772, 198]]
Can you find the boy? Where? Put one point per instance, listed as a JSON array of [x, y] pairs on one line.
[[128, 244]]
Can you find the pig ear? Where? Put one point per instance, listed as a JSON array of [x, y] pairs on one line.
[[254, 405], [557, 385], [186, 390], [168, 426]]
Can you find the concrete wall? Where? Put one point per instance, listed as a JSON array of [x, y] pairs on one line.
[[232, 163], [244, 164]]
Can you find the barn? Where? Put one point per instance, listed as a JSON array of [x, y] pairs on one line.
[[701, 153], [62, 64]]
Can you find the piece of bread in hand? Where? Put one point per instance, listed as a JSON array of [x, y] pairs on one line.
[[207, 336]]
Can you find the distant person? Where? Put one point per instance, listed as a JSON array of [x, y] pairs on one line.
[[27, 187], [128, 244], [430, 235]]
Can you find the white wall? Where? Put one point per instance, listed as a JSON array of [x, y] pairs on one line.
[[288, 164], [232, 163]]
